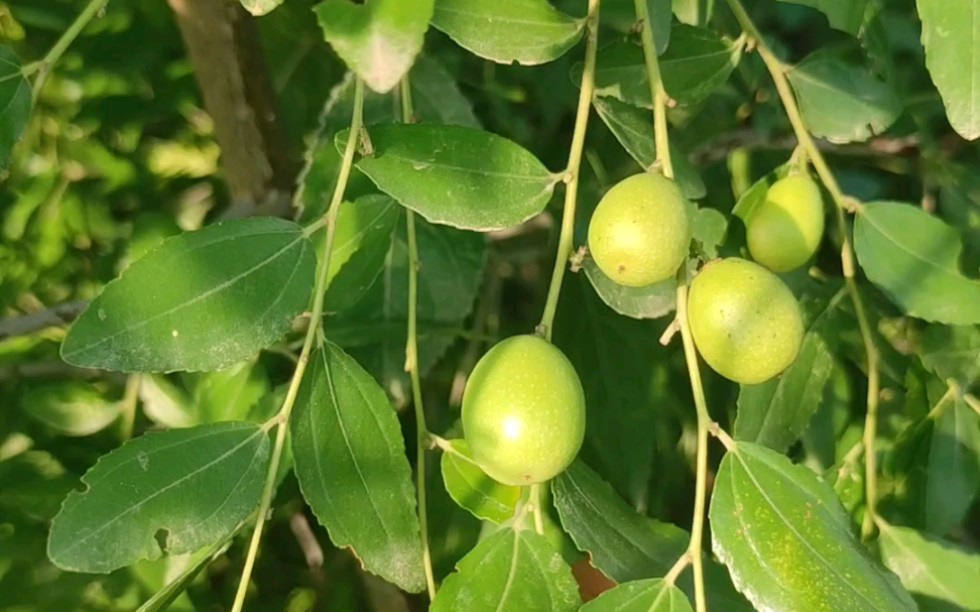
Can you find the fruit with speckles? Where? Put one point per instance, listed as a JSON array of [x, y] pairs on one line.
[[641, 230], [524, 411], [784, 231], [745, 321]]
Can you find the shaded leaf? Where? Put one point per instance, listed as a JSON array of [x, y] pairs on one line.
[[788, 542], [528, 32], [951, 39], [651, 302], [378, 40], [941, 576], [708, 230], [510, 570], [625, 545], [175, 491], [72, 408], [621, 16], [473, 490], [913, 257], [633, 128], [361, 241], [165, 403], [229, 395], [840, 101], [778, 411], [652, 595], [162, 599], [201, 301], [349, 458], [952, 352], [845, 16], [15, 102], [457, 176]]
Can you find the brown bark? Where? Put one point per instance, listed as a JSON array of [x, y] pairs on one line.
[[223, 44]]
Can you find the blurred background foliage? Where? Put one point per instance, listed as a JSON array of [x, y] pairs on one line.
[[120, 153]]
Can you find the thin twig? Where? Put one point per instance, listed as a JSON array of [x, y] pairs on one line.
[[54, 316]]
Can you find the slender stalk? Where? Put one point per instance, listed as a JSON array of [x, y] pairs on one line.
[[842, 204], [281, 420], [43, 68], [536, 509], [412, 366], [657, 93], [572, 171], [674, 573], [127, 413], [704, 426], [972, 402]]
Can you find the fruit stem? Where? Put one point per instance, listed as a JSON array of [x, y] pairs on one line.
[[842, 204], [704, 427], [412, 366], [316, 318], [572, 172], [43, 67], [658, 95], [536, 509]]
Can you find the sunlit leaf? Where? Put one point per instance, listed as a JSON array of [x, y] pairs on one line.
[[71, 408], [653, 595], [951, 39], [350, 461], [201, 301], [378, 40], [840, 101], [651, 302], [510, 570], [457, 176], [787, 541], [473, 490], [260, 7], [524, 31], [914, 258], [169, 492]]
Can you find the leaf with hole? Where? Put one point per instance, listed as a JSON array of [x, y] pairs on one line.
[[349, 458], [528, 32], [168, 492], [203, 300], [914, 258], [378, 40], [510, 570], [458, 176], [787, 540]]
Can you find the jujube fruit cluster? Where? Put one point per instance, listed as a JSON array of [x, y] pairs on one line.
[[745, 321], [524, 411], [641, 231], [784, 231]]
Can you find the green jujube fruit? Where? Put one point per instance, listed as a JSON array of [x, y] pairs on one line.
[[641, 230], [784, 231], [524, 411], [745, 321]]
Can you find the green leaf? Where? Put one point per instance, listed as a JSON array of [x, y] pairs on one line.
[[437, 96], [349, 458], [621, 16], [510, 570], [633, 128], [260, 7], [952, 352], [361, 241], [378, 40], [847, 16], [528, 32], [170, 492], [457, 176], [375, 331], [941, 576], [651, 302], [230, 395], [842, 102], [756, 194], [165, 403], [697, 62], [201, 301], [15, 102], [71, 408], [951, 39], [175, 587], [652, 595], [473, 490], [708, 230], [913, 257], [625, 545], [777, 412], [788, 542]]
